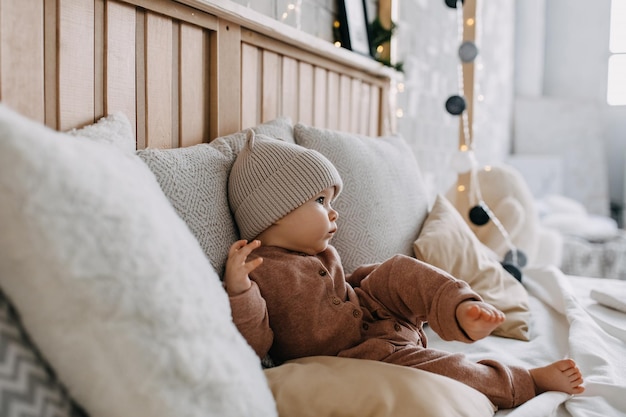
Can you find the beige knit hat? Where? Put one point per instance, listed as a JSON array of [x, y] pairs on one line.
[[270, 178]]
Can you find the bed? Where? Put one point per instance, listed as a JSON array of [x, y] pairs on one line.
[[118, 124]]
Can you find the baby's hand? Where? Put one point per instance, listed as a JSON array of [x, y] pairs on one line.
[[236, 277]]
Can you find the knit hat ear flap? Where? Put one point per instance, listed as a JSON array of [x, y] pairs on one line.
[[270, 178]]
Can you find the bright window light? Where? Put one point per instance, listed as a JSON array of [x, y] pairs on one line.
[[617, 43], [616, 85], [616, 95]]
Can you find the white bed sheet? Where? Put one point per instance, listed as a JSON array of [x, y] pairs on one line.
[[566, 322]]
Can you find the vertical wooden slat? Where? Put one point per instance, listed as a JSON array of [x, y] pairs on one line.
[[193, 111], [250, 86], [305, 94], [332, 105], [99, 57], [355, 99], [374, 116], [140, 77], [225, 79], [51, 89], [345, 103], [175, 92], [158, 81], [271, 93], [289, 89], [76, 63], [22, 52], [120, 30], [320, 97], [364, 108]]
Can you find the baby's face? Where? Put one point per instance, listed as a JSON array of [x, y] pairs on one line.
[[308, 228]]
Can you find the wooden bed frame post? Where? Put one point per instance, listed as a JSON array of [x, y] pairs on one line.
[[225, 67], [469, 35]]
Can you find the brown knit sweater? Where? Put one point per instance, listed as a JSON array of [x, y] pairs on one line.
[[301, 305]]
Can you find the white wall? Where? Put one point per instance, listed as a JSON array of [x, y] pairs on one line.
[[428, 44], [573, 61]]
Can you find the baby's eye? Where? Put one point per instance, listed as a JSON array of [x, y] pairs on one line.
[[320, 200]]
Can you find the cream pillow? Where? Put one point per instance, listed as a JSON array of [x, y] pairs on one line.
[[325, 386], [195, 180], [383, 202], [447, 242], [111, 285]]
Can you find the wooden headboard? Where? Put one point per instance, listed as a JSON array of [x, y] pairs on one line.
[[184, 72]]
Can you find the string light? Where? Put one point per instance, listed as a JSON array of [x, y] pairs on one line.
[[293, 8], [464, 160]]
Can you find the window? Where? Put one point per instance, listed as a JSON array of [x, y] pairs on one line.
[[616, 91]]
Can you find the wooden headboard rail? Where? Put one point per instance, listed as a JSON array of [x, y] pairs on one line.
[[184, 72]]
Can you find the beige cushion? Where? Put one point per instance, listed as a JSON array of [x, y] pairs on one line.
[[195, 180], [383, 203], [447, 242], [324, 386], [112, 287]]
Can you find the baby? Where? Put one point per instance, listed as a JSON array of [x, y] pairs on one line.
[[290, 297]]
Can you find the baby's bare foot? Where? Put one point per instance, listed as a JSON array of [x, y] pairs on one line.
[[561, 375], [478, 319]]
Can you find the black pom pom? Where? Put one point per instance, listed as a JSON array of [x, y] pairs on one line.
[[452, 3], [516, 257], [478, 215], [513, 270], [455, 105]]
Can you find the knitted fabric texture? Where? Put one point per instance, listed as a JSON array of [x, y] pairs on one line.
[[271, 178]]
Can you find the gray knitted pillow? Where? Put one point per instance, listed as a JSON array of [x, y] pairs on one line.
[[195, 180], [383, 203]]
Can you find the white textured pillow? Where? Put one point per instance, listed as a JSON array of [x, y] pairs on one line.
[[111, 285], [325, 386], [383, 203], [195, 180], [114, 129]]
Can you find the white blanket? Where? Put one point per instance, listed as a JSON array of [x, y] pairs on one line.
[[566, 322]]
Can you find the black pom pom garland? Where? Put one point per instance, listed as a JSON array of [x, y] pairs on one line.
[[478, 215], [464, 161], [452, 3], [516, 257], [513, 270], [455, 105]]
